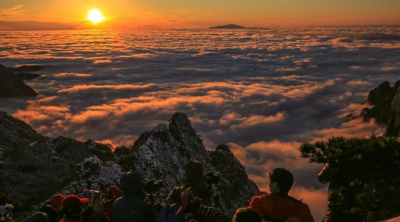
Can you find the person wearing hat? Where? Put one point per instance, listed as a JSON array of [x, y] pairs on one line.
[[113, 194], [71, 209], [131, 206], [193, 178], [53, 209]]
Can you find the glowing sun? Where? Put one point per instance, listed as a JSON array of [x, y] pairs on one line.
[[95, 16]]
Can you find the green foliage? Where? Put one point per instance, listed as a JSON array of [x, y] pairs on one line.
[[366, 171]]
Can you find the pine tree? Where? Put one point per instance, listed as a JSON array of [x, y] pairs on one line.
[[367, 171]]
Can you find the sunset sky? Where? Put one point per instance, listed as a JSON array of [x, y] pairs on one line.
[[127, 14]]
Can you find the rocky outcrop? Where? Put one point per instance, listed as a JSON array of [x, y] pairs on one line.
[[12, 85], [385, 110], [160, 154], [379, 94], [36, 166]]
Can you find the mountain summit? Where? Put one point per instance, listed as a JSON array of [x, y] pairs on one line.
[[33, 166]]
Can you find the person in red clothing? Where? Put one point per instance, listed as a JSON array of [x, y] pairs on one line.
[[113, 194], [71, 208], [279, 206]]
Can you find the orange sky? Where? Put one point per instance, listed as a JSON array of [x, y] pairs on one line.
[[72, 14]]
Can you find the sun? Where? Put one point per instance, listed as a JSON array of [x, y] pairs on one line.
[[95, 16]]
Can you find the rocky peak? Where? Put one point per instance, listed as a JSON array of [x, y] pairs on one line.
[[386, 107], [38, 166], [379, 94], [182, 130]]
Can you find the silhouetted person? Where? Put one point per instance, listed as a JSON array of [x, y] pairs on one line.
[[54, 208], [71, 209], [279, 206], [192, 205], [113, 194], [335, 211], [193, 178], [37, 217], [131, 206], [246, 215]]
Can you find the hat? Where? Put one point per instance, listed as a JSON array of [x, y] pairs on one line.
[[70, 202], [85, 200], [115, 191], [57, 199]]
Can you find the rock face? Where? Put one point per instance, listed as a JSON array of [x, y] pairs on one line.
[[12, 85], [386, 107], [36, 166], [229, 26]]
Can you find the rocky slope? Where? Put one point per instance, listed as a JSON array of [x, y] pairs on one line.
[[35, 166], [12, 85], [385, 107]]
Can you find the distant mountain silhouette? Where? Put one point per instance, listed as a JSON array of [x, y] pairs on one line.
[[229, 26]]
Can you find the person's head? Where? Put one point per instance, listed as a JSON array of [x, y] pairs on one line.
[[56, 201], [71, 205], [280, 180], [131, 184], [115, 191], [37, 217], [246, 215], [193, 172]]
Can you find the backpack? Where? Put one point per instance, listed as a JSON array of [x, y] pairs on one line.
[[168, 214]]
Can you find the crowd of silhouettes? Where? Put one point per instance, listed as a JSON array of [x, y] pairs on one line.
[[190, 202]]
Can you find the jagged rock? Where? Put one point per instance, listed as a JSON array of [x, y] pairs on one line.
[[13, 86], [38, 166], [386, 107], [235, 184], [379, 94]]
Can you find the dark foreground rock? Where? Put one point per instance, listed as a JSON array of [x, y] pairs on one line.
[[12, 85], [385, 102], [35, 166], [229, 26]]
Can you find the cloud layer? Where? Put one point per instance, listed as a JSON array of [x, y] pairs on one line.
[[262, 91]]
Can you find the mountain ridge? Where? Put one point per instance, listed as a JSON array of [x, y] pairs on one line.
[[36, 166]]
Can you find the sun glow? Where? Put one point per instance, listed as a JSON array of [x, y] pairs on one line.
[[95, 16]]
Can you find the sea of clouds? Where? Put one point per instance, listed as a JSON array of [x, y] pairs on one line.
[[261, 91]]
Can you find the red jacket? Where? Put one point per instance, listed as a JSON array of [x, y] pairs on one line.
[[281, 208]]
